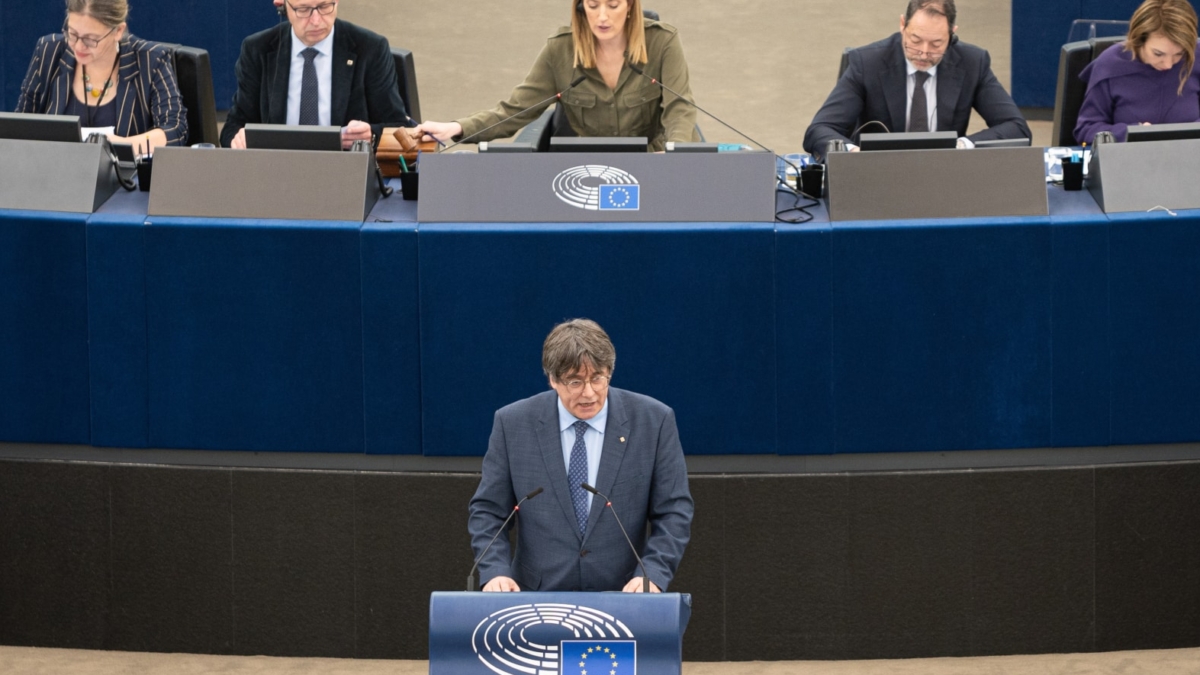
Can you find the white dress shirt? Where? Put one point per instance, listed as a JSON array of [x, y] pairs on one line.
[[593, 440], [930, 95], [324, 65]]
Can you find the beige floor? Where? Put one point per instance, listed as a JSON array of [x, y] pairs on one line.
[[25, 661], [764, 66]]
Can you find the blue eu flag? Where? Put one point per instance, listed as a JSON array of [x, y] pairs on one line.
[[598, 657], [620, 197]]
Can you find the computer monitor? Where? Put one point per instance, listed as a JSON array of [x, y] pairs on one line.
[[918, 140], [1005, 143], [1163, 132], [599, 144], [31, 127], [292, 137]]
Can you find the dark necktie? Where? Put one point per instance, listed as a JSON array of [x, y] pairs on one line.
[[310, 107], [577, 474], [918, 115]]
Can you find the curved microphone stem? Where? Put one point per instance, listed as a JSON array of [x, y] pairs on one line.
[[472, 585], [539, 104], [637, 69], [608, 503]]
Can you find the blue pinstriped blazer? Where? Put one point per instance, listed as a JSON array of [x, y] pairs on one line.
[[150, 99]]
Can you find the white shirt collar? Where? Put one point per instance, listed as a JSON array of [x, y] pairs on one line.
[[913, 69], [325, 47], [566, 419]]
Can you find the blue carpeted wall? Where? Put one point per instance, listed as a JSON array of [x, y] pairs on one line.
[[216, 25], [1039, 28]]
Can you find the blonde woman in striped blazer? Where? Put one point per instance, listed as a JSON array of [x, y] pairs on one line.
[[96, 70]]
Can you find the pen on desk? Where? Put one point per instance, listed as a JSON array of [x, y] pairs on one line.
[[435, 138]]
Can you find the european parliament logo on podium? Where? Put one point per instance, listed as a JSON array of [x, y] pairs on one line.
[[593, 187], [598, 657], [563, 633]]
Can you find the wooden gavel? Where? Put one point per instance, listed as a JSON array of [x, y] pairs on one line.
[[396, 143]]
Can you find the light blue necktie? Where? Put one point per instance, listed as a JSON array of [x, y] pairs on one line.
[[577, 474]]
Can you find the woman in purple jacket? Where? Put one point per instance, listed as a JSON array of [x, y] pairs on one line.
[[1150, 78]]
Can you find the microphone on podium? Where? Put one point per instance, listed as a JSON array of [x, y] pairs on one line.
[[608, 503], [637, 69], [573, 84], [472, 585]]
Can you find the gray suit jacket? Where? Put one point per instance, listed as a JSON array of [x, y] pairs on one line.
[[642, 471], [873, 88]]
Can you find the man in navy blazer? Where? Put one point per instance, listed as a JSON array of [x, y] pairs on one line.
[[878, 90], [356, 76], [624, 444]]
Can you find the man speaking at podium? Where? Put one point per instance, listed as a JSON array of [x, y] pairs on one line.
[[315, 69], [582, 431], [920, 79]]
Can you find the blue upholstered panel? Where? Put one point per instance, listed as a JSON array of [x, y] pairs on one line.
[[1155, 328], [1080, 328], [803, 339], [255, 335], [21, 24], [941, 335], [43, 328], [1039, 29], [391, 338], [117, 325], [690, 309]]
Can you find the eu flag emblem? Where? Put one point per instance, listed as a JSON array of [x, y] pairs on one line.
[[620, 197], [598, 657]]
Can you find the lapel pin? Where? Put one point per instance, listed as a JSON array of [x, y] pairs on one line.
[[622, 439], [349, 62]]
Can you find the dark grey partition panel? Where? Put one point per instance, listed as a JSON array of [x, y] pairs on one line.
[[780, 567], [597, 187], [1142, 176], [287, 184], [894, 184], [47, 176]]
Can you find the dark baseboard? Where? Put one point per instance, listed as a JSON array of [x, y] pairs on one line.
[[336, 563]]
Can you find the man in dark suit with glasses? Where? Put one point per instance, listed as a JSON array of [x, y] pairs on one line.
[[920, 79], [315, 69]]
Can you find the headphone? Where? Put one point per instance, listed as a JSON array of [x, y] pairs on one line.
[[282, 9]]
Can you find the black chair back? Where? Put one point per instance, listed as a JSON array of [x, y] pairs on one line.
[[650, 14], [193, 70], [1070, 90], [845, 61], [406, 79]]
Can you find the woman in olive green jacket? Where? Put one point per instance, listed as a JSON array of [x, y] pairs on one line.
[[612, 100]]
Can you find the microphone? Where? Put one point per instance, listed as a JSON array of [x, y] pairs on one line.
[[472, 585], [573, 84], [608, 503], [637, 69]]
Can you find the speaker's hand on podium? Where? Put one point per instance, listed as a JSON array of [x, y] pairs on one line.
[[501, 585], [635, 586]]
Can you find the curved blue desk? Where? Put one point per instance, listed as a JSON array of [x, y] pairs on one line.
[[392, 337]]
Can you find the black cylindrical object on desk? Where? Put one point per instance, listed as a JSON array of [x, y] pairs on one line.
[[408, 184], [1072, 174], [144, 167]]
